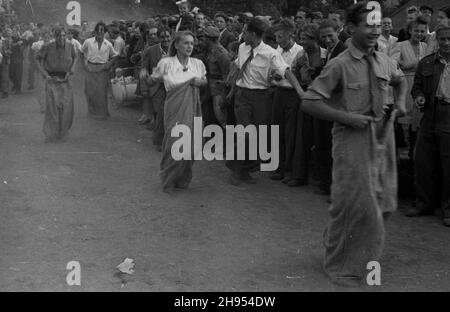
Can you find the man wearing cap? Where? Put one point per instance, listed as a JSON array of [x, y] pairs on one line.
[[217, 67], [427, 13]]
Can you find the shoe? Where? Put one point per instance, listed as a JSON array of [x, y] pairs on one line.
[[277, 176], [247, 178], [416, 212], [286, 180], [296, 182], [446, 222]]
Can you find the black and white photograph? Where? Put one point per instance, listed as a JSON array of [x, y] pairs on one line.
[[241, 147]]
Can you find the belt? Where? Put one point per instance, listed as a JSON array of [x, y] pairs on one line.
[[96, 63], [61, 75], [254, 90]]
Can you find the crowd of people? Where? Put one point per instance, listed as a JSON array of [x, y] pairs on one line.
[[347, 96]]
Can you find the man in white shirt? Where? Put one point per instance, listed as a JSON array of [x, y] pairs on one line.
[[386, 41], [256, 61], [286, 101], [99, 56]]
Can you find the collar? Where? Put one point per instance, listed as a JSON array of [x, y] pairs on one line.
[[179, 65], [258, 48], [357, 53]]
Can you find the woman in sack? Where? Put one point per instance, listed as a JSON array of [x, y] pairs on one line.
[[182, 76]]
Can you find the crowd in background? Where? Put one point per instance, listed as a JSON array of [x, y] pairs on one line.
[[306, 41]]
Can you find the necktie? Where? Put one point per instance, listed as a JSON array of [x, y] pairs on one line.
[[245, 65], [241, 74], [376, 101]]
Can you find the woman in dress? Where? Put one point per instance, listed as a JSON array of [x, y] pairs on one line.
[[182, 76], [408, 54]]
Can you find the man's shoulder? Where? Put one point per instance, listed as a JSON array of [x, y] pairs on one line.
[[429, 58]]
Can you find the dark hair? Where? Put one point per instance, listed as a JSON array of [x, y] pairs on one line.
[[163, 30], [355, 12], [341, 14], [98, 25], [257, 26], [312, 30], [178, 36], [418, 21], [426, 8], [269, 35], [222, 15], [328, 24], [285, 25]]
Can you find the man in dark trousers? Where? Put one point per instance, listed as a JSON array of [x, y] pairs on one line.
[[431, 92], [156, 94], [322, 128]]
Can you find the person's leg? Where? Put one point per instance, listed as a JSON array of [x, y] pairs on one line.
[[66, 94], [290, 127], [426, 174], [244, 117], [51, 121], [303, 146], [158, 106], [5, 80], [31, 70], [220, 110], [444, 149], [90, 87], [355, 232], [278, 119], [19, 77], [322, 152]]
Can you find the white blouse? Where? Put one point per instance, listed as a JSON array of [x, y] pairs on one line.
[[172, 73]]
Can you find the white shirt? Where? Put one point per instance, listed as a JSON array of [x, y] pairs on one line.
[[119, 46], [288, 57], [385, 45], [265, 61], [94, 55], [172, 73], [76, 44]]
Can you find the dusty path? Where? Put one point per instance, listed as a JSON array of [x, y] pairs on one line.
[[96, 199]]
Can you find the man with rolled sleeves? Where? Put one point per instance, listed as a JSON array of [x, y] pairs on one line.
[[256, 61], [431, 92], [351, 91]]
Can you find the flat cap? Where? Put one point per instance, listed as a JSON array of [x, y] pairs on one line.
[[211, 32]]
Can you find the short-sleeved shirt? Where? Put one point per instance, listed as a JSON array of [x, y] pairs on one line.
[[265, 60], [345, 82], [57, 59], [119, 46], [95, 55], [173, 72]]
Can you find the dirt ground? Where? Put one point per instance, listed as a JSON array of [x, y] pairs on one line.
[[96, 199]]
